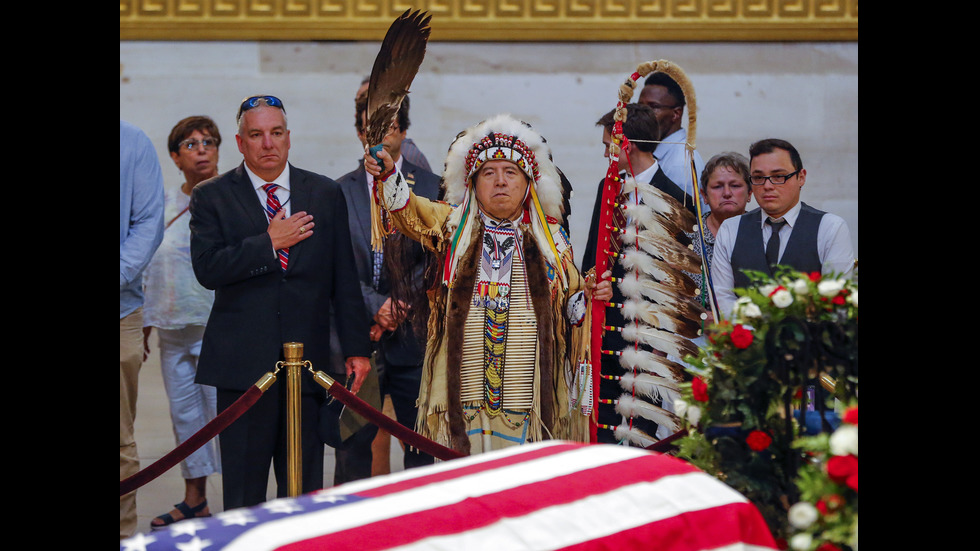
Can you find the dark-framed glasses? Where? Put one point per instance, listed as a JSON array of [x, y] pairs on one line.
[[255, 101], [776, 179], [190, 144]]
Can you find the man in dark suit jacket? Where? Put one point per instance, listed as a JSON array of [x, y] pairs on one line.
[[641, 124], [275, 272], [401, 348]]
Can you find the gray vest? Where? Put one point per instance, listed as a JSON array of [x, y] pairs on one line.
[[801, 251]]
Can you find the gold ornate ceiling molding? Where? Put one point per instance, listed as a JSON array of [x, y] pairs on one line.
[[494, 20]]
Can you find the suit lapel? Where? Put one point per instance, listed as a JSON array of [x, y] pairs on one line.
[[300, 197], [244, 193], [360, 203]]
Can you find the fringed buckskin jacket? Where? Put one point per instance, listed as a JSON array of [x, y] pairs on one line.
[[560, 313]]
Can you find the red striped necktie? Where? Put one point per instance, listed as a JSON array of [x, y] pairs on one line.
[[272, 206]]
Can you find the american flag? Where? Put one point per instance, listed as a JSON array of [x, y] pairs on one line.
[[547, 495]]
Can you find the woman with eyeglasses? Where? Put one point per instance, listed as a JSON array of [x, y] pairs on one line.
[[178, 306], [725, 188]]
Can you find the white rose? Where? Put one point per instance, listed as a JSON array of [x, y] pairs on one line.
[[768, 288], [830, 287], [800, 287], [693, 415], [745, 308], [844, 441], [680, 406], [782, 298], [853, 298], [802, 515], [801, 542]]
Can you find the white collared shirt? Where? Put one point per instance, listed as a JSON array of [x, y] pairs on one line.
[[282, 192]]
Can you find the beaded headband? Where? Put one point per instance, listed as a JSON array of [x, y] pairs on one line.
[[500, 146]]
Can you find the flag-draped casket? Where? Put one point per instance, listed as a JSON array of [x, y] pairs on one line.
[[548, 495]]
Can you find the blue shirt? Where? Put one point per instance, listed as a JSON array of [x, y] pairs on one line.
[[140, 213]]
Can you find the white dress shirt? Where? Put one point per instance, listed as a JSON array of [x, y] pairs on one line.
[[282, 192]]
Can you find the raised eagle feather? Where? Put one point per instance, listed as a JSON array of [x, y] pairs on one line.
[[396, 65]]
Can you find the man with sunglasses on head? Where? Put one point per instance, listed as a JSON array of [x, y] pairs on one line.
[[782, 231], [273, 242]]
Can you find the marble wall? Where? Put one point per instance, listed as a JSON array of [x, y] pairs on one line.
[[803, 92]]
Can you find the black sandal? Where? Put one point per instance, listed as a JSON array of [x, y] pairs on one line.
[[185, 510]]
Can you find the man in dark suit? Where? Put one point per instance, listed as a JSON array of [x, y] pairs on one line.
[[272, 240], [401, 347], [642, 126]]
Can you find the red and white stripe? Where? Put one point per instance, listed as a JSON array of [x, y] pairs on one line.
[[549, 495]]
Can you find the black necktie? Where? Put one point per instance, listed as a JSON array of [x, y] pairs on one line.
[[772, 248]]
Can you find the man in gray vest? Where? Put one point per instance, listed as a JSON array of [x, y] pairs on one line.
[[783, 230]]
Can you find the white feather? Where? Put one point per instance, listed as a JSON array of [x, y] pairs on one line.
[[650, 385], [629, 406], [663, 341], [660, 243], [644, 360], [633, 435], [650, 314], [634, 260], [666, 205], [638, 287]]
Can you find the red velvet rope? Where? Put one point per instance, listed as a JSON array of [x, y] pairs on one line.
[[189, 446], [395, 428]]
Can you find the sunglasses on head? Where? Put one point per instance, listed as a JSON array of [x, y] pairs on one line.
[[255, 101]]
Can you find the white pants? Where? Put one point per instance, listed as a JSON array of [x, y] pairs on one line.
[[191, 405]]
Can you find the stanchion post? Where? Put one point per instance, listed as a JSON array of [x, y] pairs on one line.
[[293, 352]]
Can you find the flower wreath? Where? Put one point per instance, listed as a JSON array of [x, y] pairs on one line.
[[789, 336], [826, 517]]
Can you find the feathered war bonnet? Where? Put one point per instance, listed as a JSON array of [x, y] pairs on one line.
[[502, 137]]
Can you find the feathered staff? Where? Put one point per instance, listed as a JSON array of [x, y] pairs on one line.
[[659, 303], [398, 61]]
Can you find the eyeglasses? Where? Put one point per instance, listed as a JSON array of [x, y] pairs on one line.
[[190, 144], [254, 101], [776, 179]]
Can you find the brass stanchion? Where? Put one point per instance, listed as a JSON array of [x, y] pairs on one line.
[[293, 352]]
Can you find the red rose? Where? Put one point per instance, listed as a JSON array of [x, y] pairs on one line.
[[839, 467], [827, 546], [700, 389], [741, 337], [851, 416], [758, 440], [814, 276], [838, 300], [852, 481]]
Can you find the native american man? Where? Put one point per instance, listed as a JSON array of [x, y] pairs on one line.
[[507, 315]]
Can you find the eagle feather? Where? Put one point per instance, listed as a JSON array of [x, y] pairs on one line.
[[396, 65]]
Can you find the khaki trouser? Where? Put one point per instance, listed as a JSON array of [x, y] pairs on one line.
[[130, 361]]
